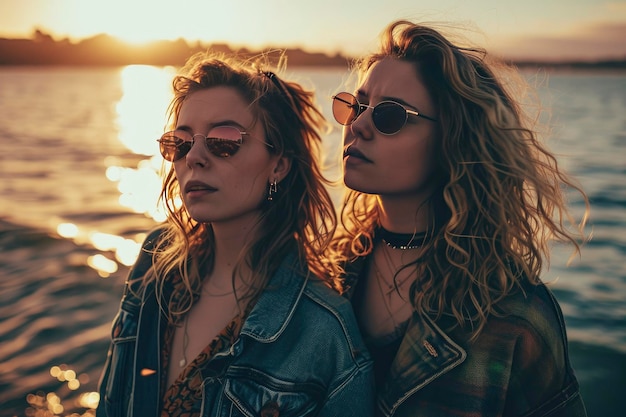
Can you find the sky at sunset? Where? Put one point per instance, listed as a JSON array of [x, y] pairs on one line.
[[545, 29]]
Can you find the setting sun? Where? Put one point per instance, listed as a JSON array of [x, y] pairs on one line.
[[144, 21], [141, 21]]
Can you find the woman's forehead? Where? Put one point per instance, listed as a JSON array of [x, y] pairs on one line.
[[393, 77]]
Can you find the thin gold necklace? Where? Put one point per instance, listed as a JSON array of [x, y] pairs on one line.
[[385, 294], [393, 285], [391, 288], [207, 292]]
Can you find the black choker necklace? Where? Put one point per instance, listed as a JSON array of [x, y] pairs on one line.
[[402, 241]]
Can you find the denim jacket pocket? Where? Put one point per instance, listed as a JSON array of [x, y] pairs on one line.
[[255, 393]]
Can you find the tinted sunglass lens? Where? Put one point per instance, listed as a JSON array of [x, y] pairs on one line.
[[389, 117], [221, 141], [224, 141], [222, 148], [345, 108], [182, 149], [173, 148]]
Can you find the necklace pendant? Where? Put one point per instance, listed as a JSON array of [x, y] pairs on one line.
[[182, 362]]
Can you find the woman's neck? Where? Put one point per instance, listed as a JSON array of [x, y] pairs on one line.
[[230, 240], [404, 215]]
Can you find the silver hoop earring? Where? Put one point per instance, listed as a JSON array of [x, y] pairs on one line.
[[272, 190]]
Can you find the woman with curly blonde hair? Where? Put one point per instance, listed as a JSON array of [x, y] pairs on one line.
[[228, 310], [452, 206]]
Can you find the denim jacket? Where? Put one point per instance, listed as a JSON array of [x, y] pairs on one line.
[[299, 353], [518, 366]]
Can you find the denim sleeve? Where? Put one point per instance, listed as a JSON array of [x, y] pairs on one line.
[[104, 379], [355, 397], [111, 371]]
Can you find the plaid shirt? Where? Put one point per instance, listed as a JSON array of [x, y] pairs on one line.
[[518, 366]]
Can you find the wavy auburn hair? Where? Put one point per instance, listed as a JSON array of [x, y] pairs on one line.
[[301, 214], [503, 196]]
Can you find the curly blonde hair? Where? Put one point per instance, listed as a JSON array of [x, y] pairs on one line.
[[502, 196], [301, 215]]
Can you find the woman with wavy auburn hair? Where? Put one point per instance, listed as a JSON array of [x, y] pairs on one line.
[[228, 310], [452, 205]]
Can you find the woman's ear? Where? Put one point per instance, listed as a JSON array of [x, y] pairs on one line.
[[281, 169]]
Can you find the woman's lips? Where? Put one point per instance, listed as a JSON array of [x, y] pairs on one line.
[[198, 188], [353, 155]]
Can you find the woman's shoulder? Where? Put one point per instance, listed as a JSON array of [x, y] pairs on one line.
[[296, 302], [327, 297], [530, 320], [529, 315], [532, 303], [295, 281], [328, 307], [328, 316], [135, 279], [152, 237]]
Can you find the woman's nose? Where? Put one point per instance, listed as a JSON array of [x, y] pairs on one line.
[[363, 125], [198, 155]]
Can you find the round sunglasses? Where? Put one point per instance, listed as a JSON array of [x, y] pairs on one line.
[[389, 117], [221, 141]]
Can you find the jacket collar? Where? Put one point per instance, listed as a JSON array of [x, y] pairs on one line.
[[425, 353], [277, 302]]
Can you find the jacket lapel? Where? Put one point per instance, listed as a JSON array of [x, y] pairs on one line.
[[278, 302], [425, 353]]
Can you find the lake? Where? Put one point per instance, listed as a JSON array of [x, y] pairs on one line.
[[79, 185]]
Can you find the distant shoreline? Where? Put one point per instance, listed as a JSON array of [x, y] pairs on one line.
[[104, 50], [610, 65]]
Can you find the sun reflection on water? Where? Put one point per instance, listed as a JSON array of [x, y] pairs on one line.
[[146, 93], [67, 230], [139, 187], [42, 404], [141, 116]]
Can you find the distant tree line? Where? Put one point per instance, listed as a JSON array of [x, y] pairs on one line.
[[606, 64], [104, 50]]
